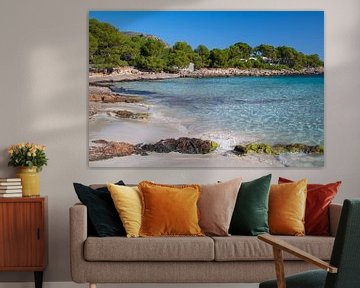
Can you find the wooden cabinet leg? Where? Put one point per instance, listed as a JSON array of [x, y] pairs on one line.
[[92, 285], [38, 279]]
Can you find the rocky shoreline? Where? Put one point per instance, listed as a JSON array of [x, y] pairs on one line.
[[132, 74], [109, 149], [107, 99], [99, 95]]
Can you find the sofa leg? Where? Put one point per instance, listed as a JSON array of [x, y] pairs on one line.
[[92, 285]]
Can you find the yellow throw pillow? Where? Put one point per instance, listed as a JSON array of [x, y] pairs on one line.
[[127, 201], [169, 210], [287, 204]]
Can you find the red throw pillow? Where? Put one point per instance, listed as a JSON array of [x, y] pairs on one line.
[[319, 197]]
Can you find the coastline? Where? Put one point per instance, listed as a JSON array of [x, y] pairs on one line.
[[114, 116], [132, 74]]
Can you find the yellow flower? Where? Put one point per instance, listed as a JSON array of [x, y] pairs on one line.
[[42, 147], [28, 154], [11, 151]]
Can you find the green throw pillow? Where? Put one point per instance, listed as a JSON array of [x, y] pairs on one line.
[[250, 215]]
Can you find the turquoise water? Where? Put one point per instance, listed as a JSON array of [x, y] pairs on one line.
[[284, 109]]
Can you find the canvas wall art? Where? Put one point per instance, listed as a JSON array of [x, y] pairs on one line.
[[206, 89]]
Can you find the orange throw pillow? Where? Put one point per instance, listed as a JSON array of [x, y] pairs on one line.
[[287, 204], [319, 197], [169, 210]]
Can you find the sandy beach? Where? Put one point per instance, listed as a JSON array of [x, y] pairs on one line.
[[105, 126], [173, 159], [131, 131]]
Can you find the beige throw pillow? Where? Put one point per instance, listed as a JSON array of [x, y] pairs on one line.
[[216, 206]]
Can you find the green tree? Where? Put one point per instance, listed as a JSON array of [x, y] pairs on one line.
[[93, 46], [218, 58], [198, 61], [240, 50], [313, 61], [152, 47], [153, 55], [182, 46], [180, 56], [105, 45], [151, 63], [288, 56], [266, 51], [178, 60], [204, 53], [109, 48]]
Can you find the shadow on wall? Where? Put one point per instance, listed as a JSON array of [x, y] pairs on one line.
[[43, 74]]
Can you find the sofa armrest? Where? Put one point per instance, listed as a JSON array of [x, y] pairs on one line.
[[334, 216], [78, 235], [279, 246], [284, 246]]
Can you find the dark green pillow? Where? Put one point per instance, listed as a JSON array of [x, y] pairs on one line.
[[103, 218], [250, 216]]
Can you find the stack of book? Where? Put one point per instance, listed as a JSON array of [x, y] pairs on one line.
[[10, 187]]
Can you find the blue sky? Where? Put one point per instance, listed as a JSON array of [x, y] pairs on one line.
[[303, 30]]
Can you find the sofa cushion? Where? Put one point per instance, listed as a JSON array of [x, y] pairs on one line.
[[216, 206], [250, 215], [244, 248], [102, 216], [169, 210], [127, 201], [287, 204], [149, 249], [318, 199]]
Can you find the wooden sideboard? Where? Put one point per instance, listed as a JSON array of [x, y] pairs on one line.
[[23, 235]]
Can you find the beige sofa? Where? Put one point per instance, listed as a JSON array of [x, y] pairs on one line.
[[234, 259]]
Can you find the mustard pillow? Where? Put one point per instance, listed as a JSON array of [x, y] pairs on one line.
[[287, 204], [169, 210], [127, 201]]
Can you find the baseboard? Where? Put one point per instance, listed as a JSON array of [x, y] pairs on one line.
[[74, 285]]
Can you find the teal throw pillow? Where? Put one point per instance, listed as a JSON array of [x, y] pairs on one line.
[[250, 216]]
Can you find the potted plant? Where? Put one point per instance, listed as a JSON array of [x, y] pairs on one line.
[[30, 158]]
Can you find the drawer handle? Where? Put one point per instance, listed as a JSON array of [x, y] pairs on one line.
[[38, 234]]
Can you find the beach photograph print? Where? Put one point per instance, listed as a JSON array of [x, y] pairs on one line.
[[206, 89]]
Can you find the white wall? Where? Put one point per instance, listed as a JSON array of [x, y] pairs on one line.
[[43, 90]]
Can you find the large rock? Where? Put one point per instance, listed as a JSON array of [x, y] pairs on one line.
[[254, 148], [114, 98], [107, 150], [125, 114], [183, 145], [298, 147], [277, 148]]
